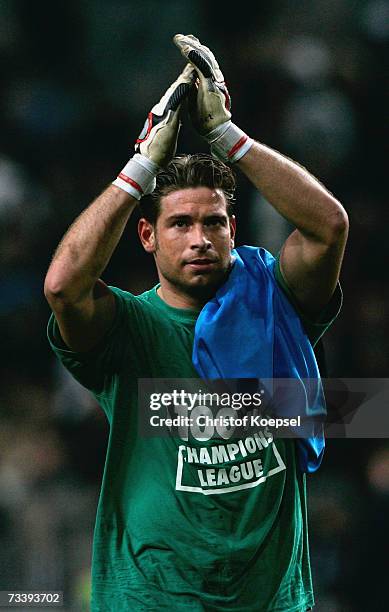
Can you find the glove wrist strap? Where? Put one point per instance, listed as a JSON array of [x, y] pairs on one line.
[[228, 142], [138, 176]]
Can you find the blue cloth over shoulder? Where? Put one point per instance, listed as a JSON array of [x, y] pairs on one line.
[[250, 330]]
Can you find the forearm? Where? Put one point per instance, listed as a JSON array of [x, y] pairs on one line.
[[87, 246], [294, 193]]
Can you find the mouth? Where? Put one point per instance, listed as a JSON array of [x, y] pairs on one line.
[[200, 263]]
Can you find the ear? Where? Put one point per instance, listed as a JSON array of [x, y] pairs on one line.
[[147, 235], [232, 222]]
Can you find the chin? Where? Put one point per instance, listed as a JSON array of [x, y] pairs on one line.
[[205, 285]]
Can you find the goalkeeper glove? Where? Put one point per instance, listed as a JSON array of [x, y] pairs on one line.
[[210, 112], [157, 142]]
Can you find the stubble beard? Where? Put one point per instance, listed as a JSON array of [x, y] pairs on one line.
[[202, 292]]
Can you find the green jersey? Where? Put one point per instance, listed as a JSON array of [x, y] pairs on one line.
[[181, 524]]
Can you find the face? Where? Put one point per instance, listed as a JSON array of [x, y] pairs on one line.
[[192, 241]]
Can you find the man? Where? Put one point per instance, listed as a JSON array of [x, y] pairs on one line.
[[180, 525]]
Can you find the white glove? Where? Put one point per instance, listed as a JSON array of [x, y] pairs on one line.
[[210, 113], [157, 142]]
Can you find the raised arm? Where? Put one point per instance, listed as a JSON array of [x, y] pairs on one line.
[[312, 255], [83, 305]]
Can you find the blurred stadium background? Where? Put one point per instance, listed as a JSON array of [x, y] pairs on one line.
[[77, 80]]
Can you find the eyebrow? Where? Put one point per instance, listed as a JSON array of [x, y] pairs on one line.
[[178, 216]]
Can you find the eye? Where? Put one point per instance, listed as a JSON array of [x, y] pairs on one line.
[[181, 223], [214, 221]]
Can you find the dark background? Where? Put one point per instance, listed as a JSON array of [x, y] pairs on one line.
[[77, 80]]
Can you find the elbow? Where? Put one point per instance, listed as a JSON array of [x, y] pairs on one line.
[[57, 293], [62, 292], [53, 289], [338, 225]]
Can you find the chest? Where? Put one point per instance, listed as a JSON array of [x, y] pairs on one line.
[[163, 349]]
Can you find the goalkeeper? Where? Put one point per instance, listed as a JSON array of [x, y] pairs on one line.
[[179, 527]]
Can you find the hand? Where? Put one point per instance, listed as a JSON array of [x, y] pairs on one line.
[[158, 139], [210, 109], [157, 143], [212, 104]]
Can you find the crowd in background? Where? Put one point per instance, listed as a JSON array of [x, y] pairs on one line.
[[306, 77]]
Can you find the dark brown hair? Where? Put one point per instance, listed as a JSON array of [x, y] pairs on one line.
[[184, 171]]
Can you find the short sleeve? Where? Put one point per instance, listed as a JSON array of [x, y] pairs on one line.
[[314, 329], [95, 368]]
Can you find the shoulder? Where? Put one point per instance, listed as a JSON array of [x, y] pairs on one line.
[[130, 298], [129, 302]]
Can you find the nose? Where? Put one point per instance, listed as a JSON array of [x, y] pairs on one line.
[[199, 238]]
